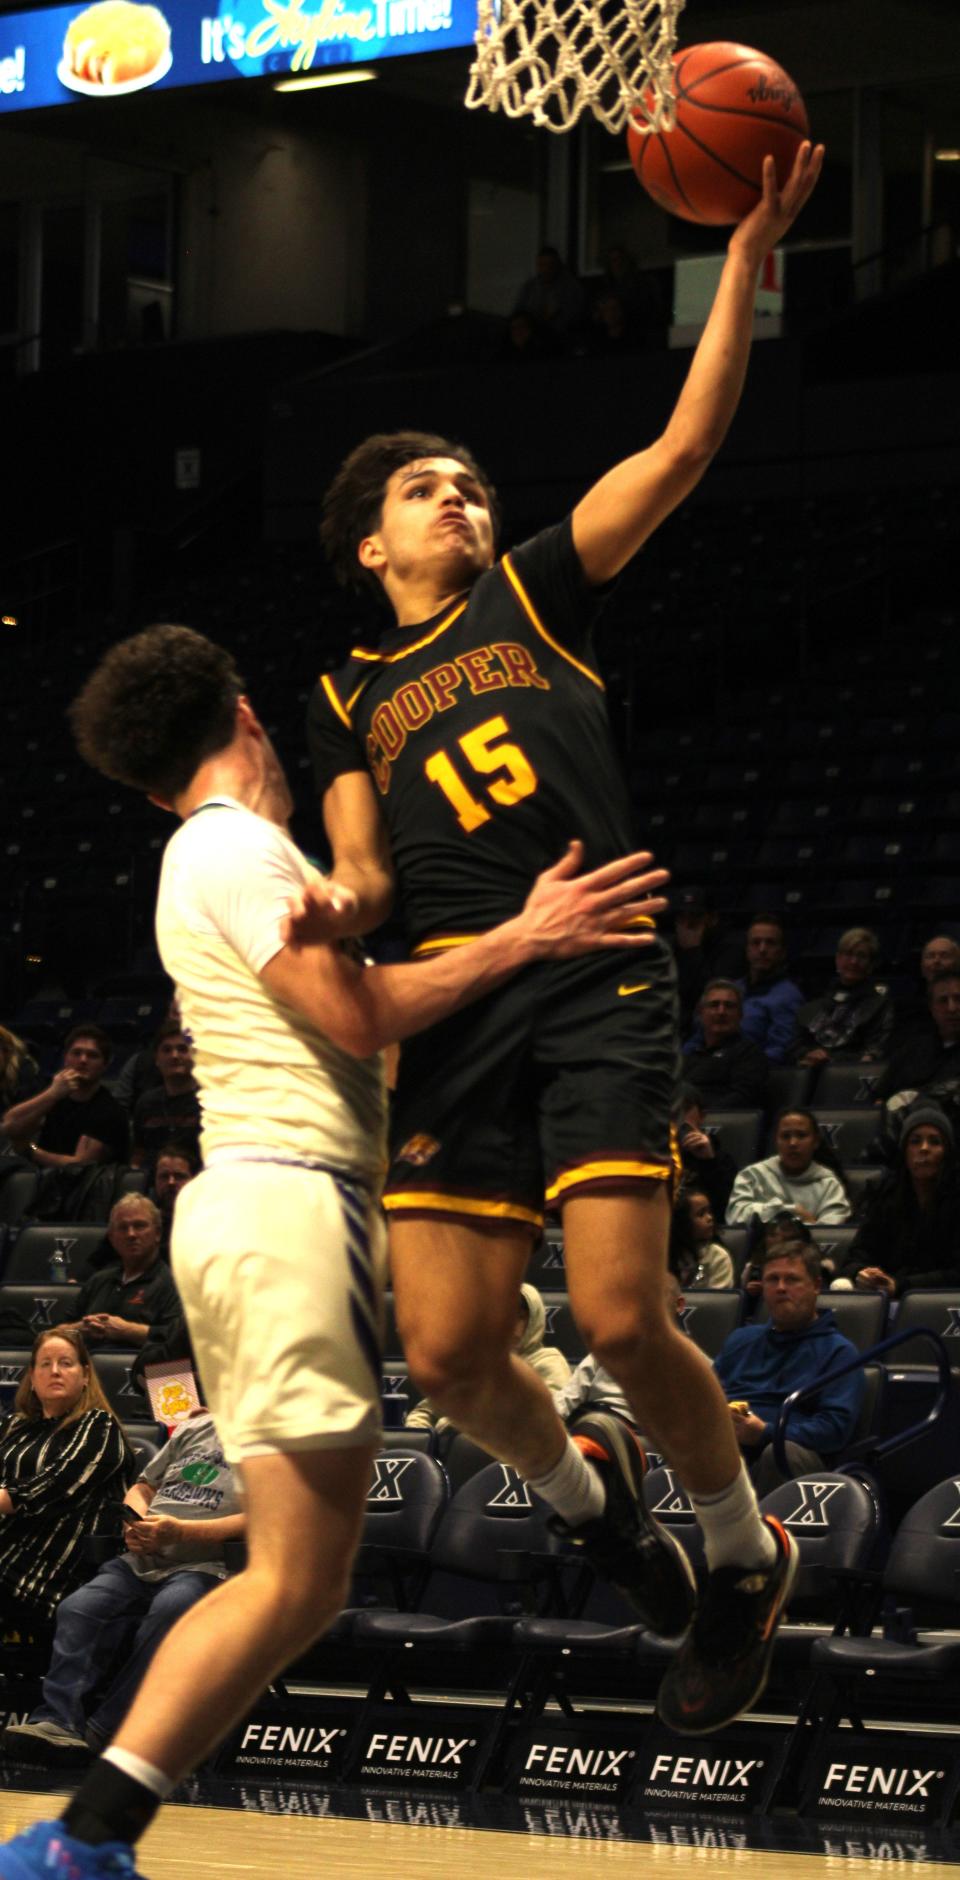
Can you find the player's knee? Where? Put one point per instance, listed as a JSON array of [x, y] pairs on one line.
[[618, 1338], [447, 1367]]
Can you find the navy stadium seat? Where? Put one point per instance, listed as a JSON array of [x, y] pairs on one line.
[[41, 1305], [30, 1258], [710, 1316], [847, 1086], [737, 1132]]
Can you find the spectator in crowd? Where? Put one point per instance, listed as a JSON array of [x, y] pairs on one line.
[[771, 1001], [706, 1167], [909, 1236], [638, 292], [553, 297], [729, 1070], [19, 1076], [701, 948], [612, 326], [523, 339], [913, 1020], [590, 1387], [785, 1227], [803, 1175], [139, 1072], [185, 1506], [171, 1108], [131, 1297], [528, 1345], [73, 1121], [62, 1459], [853, 1019], [759, 1366], [173, 1169], [929, 1063], [697, 1258]]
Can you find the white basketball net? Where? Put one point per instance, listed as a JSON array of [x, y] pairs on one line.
[[551, 60]]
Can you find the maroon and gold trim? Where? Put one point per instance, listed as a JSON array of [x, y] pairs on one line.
[[439, 943], [390, 659], [330, 690], [538, 626], [614, 1172], [406, 1203]]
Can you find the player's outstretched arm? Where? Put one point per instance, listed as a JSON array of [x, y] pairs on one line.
[[618, 514], [566, 914]]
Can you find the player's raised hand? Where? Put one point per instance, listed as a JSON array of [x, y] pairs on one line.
[[568, 913], [323, 910], [767, 224]]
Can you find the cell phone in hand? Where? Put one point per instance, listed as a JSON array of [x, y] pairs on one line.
[[128, 1515]]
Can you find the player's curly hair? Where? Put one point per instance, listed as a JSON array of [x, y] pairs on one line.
[[156, 707], [353, 504]]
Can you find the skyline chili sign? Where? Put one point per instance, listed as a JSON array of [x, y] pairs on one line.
[[55, 55]]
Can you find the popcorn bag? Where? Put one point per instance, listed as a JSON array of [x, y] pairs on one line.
[[173, 1391]]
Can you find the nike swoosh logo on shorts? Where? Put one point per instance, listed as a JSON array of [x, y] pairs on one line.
[[625, 991]]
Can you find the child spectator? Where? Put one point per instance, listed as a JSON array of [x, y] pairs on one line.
[[528, 1336]]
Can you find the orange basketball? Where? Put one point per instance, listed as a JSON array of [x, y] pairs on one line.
[[734, 107]]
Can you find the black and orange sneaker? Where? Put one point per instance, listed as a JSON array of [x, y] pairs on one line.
[[722, 1666], [625, 1544]]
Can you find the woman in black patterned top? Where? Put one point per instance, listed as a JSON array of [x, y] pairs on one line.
[[62, 1458]]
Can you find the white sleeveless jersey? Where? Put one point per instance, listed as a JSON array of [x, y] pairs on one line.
[[270, 1082]]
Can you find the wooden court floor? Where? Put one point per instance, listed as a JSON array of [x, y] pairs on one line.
[[221, 1844]]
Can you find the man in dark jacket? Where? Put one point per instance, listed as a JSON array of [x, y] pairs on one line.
[[760, 1365], [770, 999], [728, 1070], [929, 1061]]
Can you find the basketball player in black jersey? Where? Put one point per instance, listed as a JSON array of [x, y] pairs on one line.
[[456, 756]]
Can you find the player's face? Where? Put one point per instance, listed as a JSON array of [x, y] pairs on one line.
[[435, 514]]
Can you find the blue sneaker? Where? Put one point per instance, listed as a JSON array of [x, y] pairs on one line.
[[47, 1852]]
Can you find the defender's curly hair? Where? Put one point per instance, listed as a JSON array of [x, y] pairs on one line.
[[353, 504], [156, 707]]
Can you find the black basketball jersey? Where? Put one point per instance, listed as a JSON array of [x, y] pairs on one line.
[[485, 731]]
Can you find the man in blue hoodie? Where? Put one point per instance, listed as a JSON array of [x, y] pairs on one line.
[[760, 1365]]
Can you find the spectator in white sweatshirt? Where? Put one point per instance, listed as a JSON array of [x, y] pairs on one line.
[[803, 1175]]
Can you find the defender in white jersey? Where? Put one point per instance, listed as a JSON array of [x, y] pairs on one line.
[[293, 1146], [278, 1243]]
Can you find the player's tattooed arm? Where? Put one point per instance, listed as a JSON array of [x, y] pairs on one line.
[[357, 895], [624, 508]]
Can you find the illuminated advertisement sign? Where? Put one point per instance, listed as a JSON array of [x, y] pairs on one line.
[[115, 47]]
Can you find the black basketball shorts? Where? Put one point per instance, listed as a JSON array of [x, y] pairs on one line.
[[563, 1081]]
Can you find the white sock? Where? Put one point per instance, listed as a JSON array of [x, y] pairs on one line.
[[147, 1774], [734, 1535], [572, 1487]]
